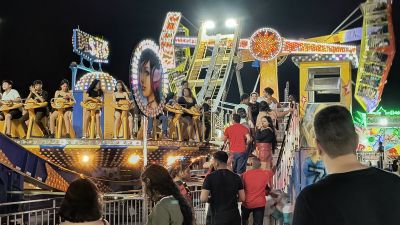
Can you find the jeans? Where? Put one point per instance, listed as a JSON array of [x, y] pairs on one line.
[[258, 215], [164, 124], [239, 162]]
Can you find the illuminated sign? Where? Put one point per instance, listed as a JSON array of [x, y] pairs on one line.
[[148, 79], [91, 48]]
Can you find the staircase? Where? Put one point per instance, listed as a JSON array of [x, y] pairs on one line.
[[218, 70]]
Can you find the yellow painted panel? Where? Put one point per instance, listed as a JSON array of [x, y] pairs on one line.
[[345, 76], [269, 77]]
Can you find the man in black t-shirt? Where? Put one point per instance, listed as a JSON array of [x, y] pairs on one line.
[[351, 194], [223, 189]]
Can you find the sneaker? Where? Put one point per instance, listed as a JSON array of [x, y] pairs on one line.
[[97, 137], [114, 138], [67, 136], [83, 137]]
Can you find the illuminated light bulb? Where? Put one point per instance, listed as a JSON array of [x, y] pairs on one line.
[[85, 158], [133, 159], [172, 159]]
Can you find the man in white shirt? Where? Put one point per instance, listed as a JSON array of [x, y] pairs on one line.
[[9, 96], [245, 116]]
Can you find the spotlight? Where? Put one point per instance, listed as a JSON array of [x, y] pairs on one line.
[[230, 23], [209, 24], [133, 159], [172, 159], [85, 158]]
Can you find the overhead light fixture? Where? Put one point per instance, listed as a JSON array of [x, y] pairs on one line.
[[85, 158], [230, 23], [209, 24], [133, 159]]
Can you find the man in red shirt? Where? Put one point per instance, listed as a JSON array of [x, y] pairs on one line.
[[238, 137], [255, 182]]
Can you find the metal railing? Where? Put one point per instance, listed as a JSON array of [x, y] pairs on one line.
[[117, 210], [286, 156]]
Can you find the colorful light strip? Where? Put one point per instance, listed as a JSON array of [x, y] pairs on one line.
[[326, 57], [107, 81], [306, 47]]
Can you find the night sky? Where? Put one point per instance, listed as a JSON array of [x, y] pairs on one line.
[[35, 36]]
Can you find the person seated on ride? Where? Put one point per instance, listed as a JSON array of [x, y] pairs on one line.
[[38, 94], [164, 126], [187, 101], [66, 94], [9, 95], [95, 94], [121, 93]]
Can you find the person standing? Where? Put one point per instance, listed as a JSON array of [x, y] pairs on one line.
[[222, 189], [254, 106], [256, 181], [266, 142], [272, 102], [352, 194], [238, 137], [206, 117], [244, 111], [171, 207], [82, 204]]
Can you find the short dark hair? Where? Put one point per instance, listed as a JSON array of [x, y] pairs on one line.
[[207, 98], [37, 82], [269, 90], [184, 82], [221, 156], [7, 81], [244, 96], [264, 106], [236, 118], [335, 132], [81, 202]]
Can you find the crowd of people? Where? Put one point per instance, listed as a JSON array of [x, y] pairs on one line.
[[352, 193], [255, 122]]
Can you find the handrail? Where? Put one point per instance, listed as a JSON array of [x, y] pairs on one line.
[[28, 201], [278, 162]]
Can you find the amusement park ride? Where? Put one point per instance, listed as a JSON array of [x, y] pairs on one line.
[[209, 63]]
